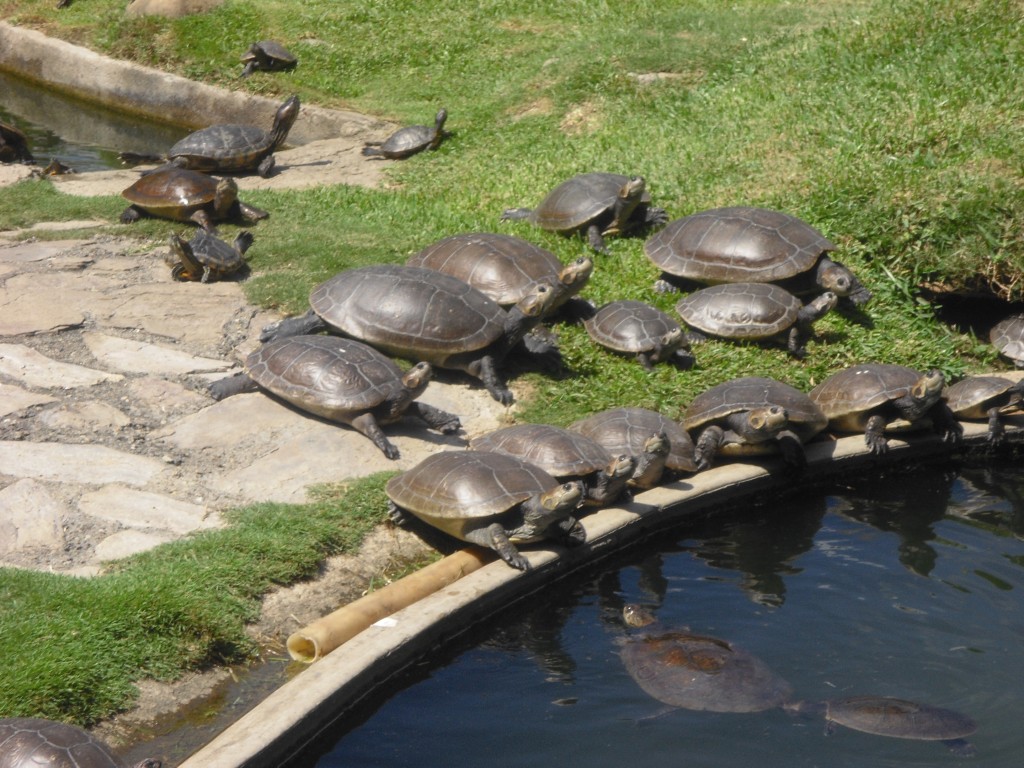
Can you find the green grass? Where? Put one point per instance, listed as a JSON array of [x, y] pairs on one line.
[[900, 140]]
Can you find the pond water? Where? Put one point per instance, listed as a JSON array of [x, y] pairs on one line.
[[908, 585]]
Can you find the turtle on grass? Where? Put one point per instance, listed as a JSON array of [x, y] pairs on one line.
[[489, 499], [410, 140], [179, 194], [986, 398], [14, 145], [1008, 337], [206, 257], [267, 56], [637, 329], [31, 742]]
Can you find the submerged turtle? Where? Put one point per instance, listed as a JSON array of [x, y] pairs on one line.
[[565, 455], [31, 742], [874, 397], [754, 311], [596, 204], [753, 415], [1008, 337], [267, 56], [182, 195], [421, 314], [488, 499], [14, 145], [638, 329], [691, 671], [409, 140], [751, 245], [631, 431], [986, 398], [340, 380], [206, 257]]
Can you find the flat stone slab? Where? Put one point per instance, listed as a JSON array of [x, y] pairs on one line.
[[130, 542], [142, 357], [33, 369], [29, 517], [14, 399], [81, 464], [86, 416], [21, 312], [36, 251], [146, 510]]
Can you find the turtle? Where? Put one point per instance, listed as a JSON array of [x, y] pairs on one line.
[[875, 398], [14, 146], [563, 454], [32, 742], [488, 499], [698, 672], [410, 140], [179, 194], [421, 314], [636, 328], [596, 204], [206, 257], [267, 56], [756, 245], [986, 398], [754, 311], [1007, 336], [631, 430], [753, 415], [340, 380]]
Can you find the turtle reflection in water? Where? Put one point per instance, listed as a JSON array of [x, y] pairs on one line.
[[697, 672]]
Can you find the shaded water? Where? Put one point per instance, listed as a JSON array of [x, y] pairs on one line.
[[907, 585]]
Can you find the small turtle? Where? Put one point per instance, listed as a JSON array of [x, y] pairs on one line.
[[756, 245], [409, 140], [340, 380], [655, 442], [31, 742], [565, 455], [1008, 337], [597, 204], [697, 672], [753, 415], [754, 311], [57, 168], [638, 329], [488, 499], [206, 257], [267, 56], [986, 398], [182, 195], [873, 397], [14, 146]]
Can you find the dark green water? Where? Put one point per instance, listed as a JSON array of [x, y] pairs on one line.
[[909, 585]]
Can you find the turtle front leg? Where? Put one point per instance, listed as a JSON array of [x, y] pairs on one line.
[[435, 418], [996, 430], [707, 446], [569, 532], [368, 426], [232, 385], [596, 239], [874, 435], [792, 449], [495, 537], [203, 219], [486, 371], [945, 423], [131, 214], [796, 341], [301, 325], [266, 166]]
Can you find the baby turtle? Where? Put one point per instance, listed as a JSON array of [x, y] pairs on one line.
[[637, 329], [757, 245], [1008, 337], [14, 145], [691, 671], [489, 499], [407, 141], [31, 742], [182, 195], [206, 257], [873, 397], [565, 455], [754, 311], [753, 416], [340, 380], [597, 204], [631, 431], [986, 398], [267, 56]]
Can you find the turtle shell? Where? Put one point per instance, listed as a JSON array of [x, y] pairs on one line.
[[806, 419], [740, 310], [28, 742], [899, 718], [1008, 337], [560, 452], [625, 430], [849, 396], [971, 398], [630, 326], [577, 202], [177, 193]]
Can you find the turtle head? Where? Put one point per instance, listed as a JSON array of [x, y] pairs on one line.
[[225, 196], [538, 301], [767, 421], [835, 277], [635, 615], [621, 466], [928, 388], [820, 306], [657, 445], [284, 120], [630, 195], [416, 378], [576, 274], [669, 343], [182, 260], [439, 118]]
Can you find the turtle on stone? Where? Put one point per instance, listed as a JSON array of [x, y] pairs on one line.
[[1007, 336], [14, 145], [421, 314], [410, 140], [742, 244], [565, 455], [179, 194], [206, 257], [655, 442], [875, 398], [690, 671], [489, 499], [986, 398], [267, 56], [597, 205], [754, 311], [637, 329], [752, 416], [31, 742], [340, 380]]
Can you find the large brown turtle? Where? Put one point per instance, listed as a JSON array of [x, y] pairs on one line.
[[410, 140], [340, 380], [489, 499], [986, 398], [14, 145], [179, 194], [31, 742], [267, 56]]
